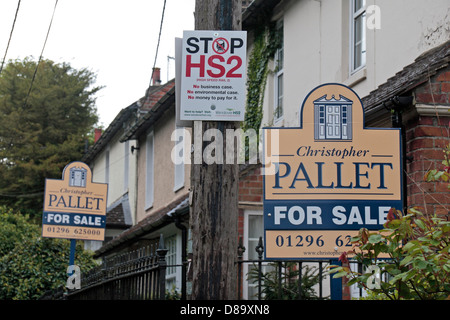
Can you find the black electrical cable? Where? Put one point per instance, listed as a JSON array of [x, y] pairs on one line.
[[10, 36], [40, 57], [159, 38]]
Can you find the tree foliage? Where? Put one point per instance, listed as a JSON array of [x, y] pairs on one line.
[[30, 264], [42, 129]]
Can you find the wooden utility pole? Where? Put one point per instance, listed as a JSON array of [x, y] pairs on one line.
[[214, 187]]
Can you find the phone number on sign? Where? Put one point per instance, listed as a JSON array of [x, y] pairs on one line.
[[308, 243], [52, 229], [309, 240], [72, 232]]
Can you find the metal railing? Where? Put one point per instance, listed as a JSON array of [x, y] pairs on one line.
[[141, 275], [275, 279], [135, 275]]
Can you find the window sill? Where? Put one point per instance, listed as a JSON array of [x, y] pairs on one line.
[[278, 122], [148, 206], [356, 77], [177, 188]]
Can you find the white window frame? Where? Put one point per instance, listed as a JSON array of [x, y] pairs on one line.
[[354, 16], [149, 176], [107, 163], [126, 165], [178, 182], [173, 258], [251, 248], [279, 74]]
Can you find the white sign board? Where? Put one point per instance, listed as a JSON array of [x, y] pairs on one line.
[[213, 75]]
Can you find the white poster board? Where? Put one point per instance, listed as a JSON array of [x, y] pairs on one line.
[[213, 75]]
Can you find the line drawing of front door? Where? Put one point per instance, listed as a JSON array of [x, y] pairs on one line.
[[332, 118], [77, 177], [333, 115]]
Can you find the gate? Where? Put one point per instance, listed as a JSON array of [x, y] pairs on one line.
[[281, 280]]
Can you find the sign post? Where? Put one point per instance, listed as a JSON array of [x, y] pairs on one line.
[[329, 178], [74, 207], [215, 60]]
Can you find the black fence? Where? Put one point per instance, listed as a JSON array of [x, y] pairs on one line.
[[135, 275], [282, 280], [141, 275]]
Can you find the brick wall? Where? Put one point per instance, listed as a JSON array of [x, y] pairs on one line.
[[426, 137], [437, 91], [250, 193], [251, 186]]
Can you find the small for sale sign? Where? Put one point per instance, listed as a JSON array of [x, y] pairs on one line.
[[213, 75], [75, 207]]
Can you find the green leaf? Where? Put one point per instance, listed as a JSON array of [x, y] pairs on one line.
[[340, 274], [396, 278], [409, 245], [352, 281], [409, 274], [422, 264], [375, 238], [406, 260], [420, 224]]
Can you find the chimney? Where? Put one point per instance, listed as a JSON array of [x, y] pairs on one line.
[[97, 134], [156, 78]]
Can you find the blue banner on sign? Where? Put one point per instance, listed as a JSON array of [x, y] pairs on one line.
[[326, 215], [74, 219]]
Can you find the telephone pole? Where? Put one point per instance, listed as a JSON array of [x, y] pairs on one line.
[[214, 187]]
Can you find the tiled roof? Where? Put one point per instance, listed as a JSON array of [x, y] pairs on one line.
[[110, 132], [151, 116], [154, 94], [151, 223], [118, 214], [411, 76]]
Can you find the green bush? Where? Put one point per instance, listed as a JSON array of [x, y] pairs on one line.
[[14, 228], [418, 250], [30, 264]]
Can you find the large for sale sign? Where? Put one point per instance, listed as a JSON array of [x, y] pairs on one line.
[[213, 75], [75, 207], [328, 178]]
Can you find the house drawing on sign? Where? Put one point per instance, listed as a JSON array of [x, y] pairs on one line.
[[77, 177], [333, 118]]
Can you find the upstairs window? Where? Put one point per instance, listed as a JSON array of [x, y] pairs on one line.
[[179, 159], [149, 183], [279, 73], [357, 35]]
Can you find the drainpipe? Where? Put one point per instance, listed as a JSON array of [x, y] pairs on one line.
[[397, 105]]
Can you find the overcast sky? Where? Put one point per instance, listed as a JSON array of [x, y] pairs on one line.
[[115, 39]]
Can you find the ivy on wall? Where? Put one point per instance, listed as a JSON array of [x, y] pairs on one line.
[[267, 41]]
